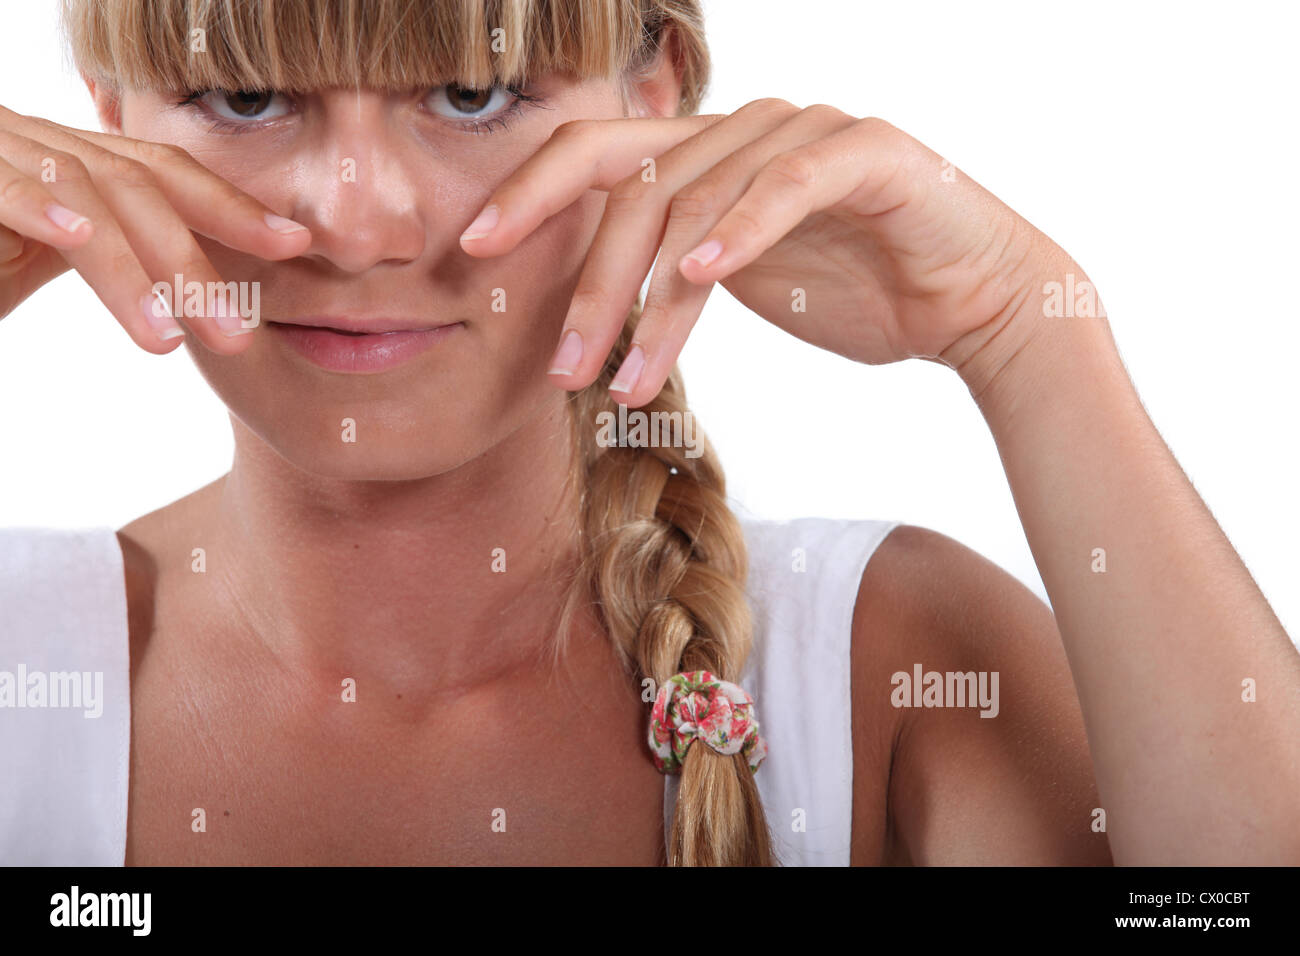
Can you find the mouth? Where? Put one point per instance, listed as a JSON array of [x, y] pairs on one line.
[[360, 346]]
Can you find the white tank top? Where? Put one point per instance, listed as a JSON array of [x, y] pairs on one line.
[[65, 704]]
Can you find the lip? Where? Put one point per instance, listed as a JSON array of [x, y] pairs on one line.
[[360, 346]]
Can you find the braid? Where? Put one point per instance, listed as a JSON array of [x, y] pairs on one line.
[[665, 560]]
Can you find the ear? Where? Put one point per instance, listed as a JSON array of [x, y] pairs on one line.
[[108, 104], [657, 90]]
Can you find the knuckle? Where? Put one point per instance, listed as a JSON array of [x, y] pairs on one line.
[[128, 172], [193, 263], [629, 192], [741, 223], [122, 262], [795, 167], [179, 242], [14, 189], [878, 126], [589, 298], [771, 104], [68, 167], [577, 130], [162, 154], [699, 200], [824, 111]]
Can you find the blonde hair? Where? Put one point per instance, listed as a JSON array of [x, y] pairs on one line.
[[662, 554]]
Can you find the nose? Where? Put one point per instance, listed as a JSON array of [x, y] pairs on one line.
[[354, 190]]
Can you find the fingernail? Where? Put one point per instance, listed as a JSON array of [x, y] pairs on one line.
[[280, 224], [705, 252], [484, 224], [568, 355], [629, 371], [64, 218], [159, 316]]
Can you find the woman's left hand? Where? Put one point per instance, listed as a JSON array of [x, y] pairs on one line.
[[898, 255], [845, 232]]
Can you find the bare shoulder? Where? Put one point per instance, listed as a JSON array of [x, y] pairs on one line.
[[969, 745], [162, 539], [175, 525]]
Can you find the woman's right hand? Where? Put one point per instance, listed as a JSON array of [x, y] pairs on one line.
[[120, 212]]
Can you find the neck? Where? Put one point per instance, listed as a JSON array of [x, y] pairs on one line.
[[400, 582]]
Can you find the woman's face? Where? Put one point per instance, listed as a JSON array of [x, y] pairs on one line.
[[387, 184]]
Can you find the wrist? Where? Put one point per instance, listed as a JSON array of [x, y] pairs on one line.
[[1055, 325]]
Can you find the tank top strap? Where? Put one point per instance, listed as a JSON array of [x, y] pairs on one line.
[[804, 577]]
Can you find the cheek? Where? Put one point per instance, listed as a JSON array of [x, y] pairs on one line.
[[515, 305], [544, 268], [535, 284], [521, 300]]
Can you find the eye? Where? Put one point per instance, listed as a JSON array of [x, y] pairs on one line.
[[460, 102], [245, 105]]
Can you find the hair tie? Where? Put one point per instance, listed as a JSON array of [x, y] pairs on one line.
[[696, 705]]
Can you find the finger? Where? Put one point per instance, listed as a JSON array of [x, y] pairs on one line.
[[855, 162], [160, 241], [166, 249], [673, 305], [581, 155], [29, 209], [11, 244], [35, 266], [208, 204], [106, 261], [629, 235]]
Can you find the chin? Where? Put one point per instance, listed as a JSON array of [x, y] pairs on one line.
[[428, 417], [365, 446], [388, 439]]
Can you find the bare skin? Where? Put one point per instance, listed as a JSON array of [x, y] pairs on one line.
[[403, 776], [324, 565], [444, 731], [271, 745]]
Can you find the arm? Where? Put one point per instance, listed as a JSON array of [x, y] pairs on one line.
[[1161, 642], [962, 789], [849, 234]]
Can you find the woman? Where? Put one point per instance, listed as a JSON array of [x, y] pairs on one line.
[[426, 614]]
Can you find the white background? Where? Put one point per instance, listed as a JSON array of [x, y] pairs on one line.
[[1156, 142]]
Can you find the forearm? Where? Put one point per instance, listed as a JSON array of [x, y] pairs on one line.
[[1162, 640]]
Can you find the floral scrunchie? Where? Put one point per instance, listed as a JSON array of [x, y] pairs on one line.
[[697, 705]]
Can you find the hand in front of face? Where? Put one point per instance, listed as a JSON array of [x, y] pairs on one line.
[[120, 212], [845, 232]]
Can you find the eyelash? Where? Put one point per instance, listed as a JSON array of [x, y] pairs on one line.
[[511, 111], [478, 127]]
